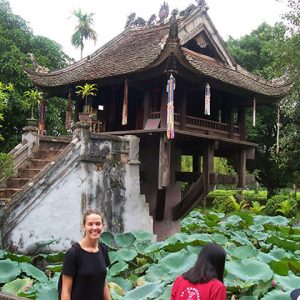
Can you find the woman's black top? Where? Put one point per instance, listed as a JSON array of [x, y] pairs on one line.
[[88, 271]]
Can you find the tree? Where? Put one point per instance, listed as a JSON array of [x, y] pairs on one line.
[[83, 30], [260, 53], [16, 41]]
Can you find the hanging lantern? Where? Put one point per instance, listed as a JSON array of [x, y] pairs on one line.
[[125, 104], [207, 100], [170, 107], [278, 128], [42, 118], [69, 112], [254, 112]]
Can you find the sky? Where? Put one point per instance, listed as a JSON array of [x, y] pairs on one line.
[[53, 18]]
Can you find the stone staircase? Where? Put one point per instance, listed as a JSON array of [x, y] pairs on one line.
[[49, 149]]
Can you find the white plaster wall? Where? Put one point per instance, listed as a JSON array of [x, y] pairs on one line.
[[136, 209], [57, 215]]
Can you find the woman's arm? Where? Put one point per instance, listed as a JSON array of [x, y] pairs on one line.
[[67, 282], [106, 292]]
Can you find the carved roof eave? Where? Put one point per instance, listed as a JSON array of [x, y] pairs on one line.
[[199, 21], [236, 78]]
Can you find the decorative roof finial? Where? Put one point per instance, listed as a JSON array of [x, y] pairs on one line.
[[173, 28]]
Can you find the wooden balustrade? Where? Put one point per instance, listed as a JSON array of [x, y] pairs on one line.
[[194, 122]]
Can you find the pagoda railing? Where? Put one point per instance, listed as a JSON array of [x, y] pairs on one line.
[[200, 123]]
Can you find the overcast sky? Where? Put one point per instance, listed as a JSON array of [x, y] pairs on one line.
[[53, 18]]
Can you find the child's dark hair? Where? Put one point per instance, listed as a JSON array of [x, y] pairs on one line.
[[209, 265], [90, 212]]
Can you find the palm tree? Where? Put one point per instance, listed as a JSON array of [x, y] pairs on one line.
[[83, 30], [85, 91]]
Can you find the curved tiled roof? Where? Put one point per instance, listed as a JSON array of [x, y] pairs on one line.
[[238, 76], [132, 50], [138, 49]]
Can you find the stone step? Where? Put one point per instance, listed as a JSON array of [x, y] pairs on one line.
[[27, 173], [3, 201], [8, 192], [46, 154], [17, 182], [53, 143], [36, 163]]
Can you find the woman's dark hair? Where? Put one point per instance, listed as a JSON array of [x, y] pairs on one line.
[[209, 265]]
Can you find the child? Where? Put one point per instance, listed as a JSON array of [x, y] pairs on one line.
[[205, 279]]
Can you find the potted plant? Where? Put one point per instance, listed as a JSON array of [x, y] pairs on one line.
[[33, 99], [85, 91]]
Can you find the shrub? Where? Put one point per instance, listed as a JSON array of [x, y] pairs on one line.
[[224, 204], [281, 204], [6, 165]]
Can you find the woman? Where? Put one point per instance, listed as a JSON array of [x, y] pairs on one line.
[[205, 279], [85, 263]]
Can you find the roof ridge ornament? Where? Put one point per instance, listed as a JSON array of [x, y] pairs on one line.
[[173, 33]]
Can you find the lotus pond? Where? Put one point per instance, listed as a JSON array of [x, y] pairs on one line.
[[263, 260]]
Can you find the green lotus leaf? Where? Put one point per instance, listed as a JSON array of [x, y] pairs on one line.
[[17, 257], [277, 295], [256, 227], [46, 292], [146, 292], [52, 257], [260, 236], [34, 272], [289, 282], [219, 238], [2, 254], [124, 239], [280, 267], [108, 239], [240, 237], [55, 268], [154, 247], [249, 269], [294, 265], [283, 243], [167, 293], [18, 285], [117, 268], [196, 214], [9, 270], [143, 236], [243, 252], [171, 266], [142, 246], [124, 254], [277, 220], [232, 220], [123, 283], [248, 298]]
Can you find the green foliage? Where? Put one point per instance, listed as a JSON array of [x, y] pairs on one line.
[[6, 165], [260, 249], [224, 204], [85, 91], [283, 204], [16, 41], [257, 207], [83, 30], [33, 99]]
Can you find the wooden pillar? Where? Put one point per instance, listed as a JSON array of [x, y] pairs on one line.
[[163, 109], [196, 165], [208, 165], [164, 162], [183, 104], [231, 122], [242, 168], [147, 101], [242, 123]]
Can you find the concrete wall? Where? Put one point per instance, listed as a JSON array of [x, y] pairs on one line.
[[95, 172]]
